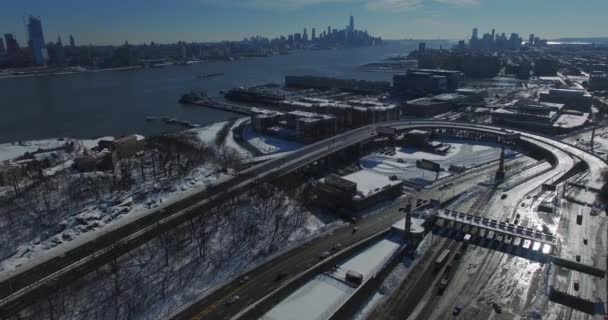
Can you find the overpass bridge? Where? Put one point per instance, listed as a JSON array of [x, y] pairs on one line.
[[476, 226], [22, 286]]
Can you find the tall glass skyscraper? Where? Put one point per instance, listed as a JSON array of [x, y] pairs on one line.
[[36, 40]]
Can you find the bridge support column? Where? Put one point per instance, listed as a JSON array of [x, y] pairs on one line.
[[500, 174]]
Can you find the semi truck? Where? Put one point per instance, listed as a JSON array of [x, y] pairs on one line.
[[443, 257]]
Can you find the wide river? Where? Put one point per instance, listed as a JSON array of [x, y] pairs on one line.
[[117, 102]]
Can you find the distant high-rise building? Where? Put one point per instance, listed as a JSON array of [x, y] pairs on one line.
[[12, 46], [531, 39], [305, 35], [329, 30], [422, 46], [2, 49], [314, 34], [474, 36], [493, 34], [352, 23], [72, 42], [36, 40]]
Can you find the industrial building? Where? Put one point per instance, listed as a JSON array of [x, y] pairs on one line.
[[363, 86], [425, 81], [572, 99], [441, 103], [294, 125], [357, 190], [542, 117]]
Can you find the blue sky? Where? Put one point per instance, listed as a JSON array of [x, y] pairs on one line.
[[114, 21]]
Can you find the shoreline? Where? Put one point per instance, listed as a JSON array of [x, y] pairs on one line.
[[67, 72]]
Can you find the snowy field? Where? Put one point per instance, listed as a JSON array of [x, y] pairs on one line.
[[403, 164], [267, 144]]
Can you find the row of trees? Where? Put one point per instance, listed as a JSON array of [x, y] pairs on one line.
[[161, 275]]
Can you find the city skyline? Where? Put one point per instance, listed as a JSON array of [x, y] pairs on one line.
[[114, 22]]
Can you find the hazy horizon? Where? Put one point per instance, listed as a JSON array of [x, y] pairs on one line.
[[113, 22]]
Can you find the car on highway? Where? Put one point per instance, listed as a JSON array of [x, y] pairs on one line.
[[244, 279], [324, 255], [280, 276], [355, 229], [233, 299], [336, 247], [576, 285], [585, 240], [504, 196], [457, 309]]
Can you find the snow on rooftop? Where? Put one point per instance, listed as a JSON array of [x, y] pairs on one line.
[[571, 120], [371, 260], [311, 301], [321, 295], [369, 181]]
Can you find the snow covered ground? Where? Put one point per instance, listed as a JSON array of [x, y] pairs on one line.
[[403, 164], [97, 217], [267, 144], [191, 260], [10, 151]]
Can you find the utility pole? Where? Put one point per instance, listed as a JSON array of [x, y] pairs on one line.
[[593, 140]]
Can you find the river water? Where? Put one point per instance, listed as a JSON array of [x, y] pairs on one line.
[[116, 102]]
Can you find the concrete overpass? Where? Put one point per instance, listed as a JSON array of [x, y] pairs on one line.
[[22, 286]]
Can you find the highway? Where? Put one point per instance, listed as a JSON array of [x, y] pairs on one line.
[[23, 286]]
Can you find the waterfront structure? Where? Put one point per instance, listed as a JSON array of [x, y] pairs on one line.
[[336, 83], [572, 99], [36, 41]]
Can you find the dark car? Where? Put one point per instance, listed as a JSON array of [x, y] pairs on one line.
[[457, 309]]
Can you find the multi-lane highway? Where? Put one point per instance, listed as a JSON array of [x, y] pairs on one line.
[[24, 285]]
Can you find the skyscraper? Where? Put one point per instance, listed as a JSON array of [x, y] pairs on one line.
[[314, 34], [72, 42], [329, 30], [531, 39], [12, 46], [352, 23], [36, 40], [305, 35], [474, 36]]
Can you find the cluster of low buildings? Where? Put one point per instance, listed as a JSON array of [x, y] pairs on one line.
[[556, 111], [312, 119]]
